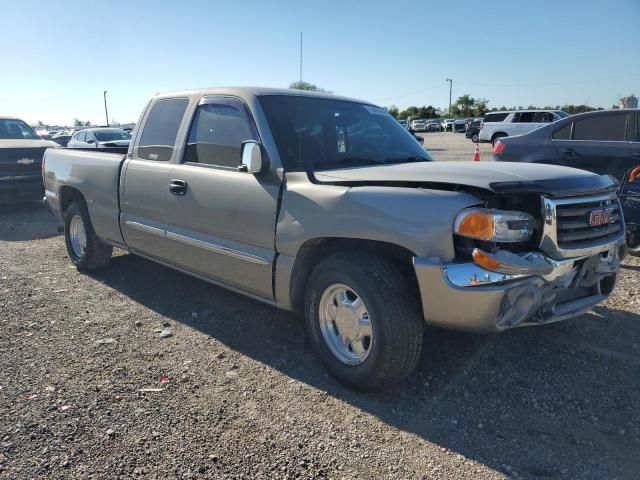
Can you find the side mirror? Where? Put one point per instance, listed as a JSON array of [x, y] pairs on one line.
[[91, 142], [251, 157]]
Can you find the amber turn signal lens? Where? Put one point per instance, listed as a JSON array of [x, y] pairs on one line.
[[484, 260], [478, 225]]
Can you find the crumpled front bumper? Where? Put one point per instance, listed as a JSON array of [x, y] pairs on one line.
[[465, 296]]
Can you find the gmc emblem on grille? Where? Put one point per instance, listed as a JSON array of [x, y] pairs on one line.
[[600, 217]]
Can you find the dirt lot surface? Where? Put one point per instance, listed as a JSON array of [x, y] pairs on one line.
[[138, 371], [446, 146]]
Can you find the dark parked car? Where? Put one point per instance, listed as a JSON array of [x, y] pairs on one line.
[[630, 200], [604, 142], [459, 126], [21, 151], [473, 130], [61, 139]]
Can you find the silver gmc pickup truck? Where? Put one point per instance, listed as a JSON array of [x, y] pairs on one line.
[[328, 207]]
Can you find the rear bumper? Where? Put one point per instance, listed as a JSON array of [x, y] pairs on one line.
[[50, 200], [464, 296], [20, 189]]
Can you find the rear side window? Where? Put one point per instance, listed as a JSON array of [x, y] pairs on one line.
[[543, 117], [600, 128], [495, 117], [219, 127], [524, 117], [82, 136], [161, 129], [564, 133]]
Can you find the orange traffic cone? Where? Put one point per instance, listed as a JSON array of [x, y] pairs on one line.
[[476, 154]]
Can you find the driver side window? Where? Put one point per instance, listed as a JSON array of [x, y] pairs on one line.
[[219, 127]]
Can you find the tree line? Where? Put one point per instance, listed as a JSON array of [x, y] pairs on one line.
[[464, 107]]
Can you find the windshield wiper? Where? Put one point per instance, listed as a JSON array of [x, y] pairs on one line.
[[410, 159], [346, 162]]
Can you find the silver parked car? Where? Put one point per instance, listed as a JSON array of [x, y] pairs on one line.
[[100, 137], [341, 216]]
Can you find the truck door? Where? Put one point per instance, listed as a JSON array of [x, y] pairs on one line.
[[221, 221], [145, 184]]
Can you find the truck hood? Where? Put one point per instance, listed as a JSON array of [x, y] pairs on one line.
[[115, 143], [26, 143], [503, 177]]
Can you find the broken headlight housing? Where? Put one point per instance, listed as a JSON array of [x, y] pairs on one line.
[[490, 225]]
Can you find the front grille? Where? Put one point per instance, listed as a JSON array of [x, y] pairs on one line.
[[567, 231], [9, 160], [573, 227]]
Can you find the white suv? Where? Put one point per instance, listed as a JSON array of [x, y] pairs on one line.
[[503, 124]]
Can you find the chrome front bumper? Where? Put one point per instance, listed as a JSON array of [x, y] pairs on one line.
[[465, 296]]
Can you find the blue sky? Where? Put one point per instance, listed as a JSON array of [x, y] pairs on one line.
[[58, 57]]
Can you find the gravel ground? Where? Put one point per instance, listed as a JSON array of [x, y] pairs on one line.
[[446, 146], [142, 372]]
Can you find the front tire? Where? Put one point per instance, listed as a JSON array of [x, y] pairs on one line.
[[362, 320], [86, 251], [475, 138]]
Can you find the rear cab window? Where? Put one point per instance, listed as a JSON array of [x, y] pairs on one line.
[[160, 129]]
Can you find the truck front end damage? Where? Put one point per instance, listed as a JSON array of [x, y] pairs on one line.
[[493, 286]]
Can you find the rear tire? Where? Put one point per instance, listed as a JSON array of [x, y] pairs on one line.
[[86, 251], [475, 138], [390, 313]]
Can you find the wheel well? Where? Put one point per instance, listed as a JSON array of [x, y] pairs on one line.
[[67, 196], [312, 252], [501, 134]]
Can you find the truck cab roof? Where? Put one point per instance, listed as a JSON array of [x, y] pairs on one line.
[[245, 92]]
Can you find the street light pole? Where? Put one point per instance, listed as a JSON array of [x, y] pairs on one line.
[[106, 113], [450, 89]]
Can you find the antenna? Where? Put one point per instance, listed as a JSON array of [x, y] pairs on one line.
[[301, 57]]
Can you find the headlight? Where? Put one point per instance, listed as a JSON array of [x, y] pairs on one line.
[[494, 225]]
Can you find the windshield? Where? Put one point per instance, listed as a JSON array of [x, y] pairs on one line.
[[320, 133], [16, 129], [112, 135], [562, 114]]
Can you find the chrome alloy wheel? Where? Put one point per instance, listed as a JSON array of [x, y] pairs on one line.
[[77, 236], [345, 324]]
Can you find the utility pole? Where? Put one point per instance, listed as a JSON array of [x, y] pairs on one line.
[[450, 89], [300, 58], [106, 113]]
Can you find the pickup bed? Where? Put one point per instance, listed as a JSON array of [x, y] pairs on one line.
[[328, 207]]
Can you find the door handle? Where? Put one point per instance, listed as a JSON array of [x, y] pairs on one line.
[[570, 152], [178, 187]]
